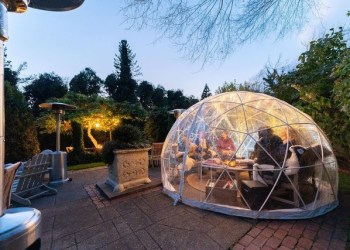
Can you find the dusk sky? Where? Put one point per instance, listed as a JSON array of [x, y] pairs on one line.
[[67, 42]]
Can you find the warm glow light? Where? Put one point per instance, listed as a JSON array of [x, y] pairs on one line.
[[97, 125]]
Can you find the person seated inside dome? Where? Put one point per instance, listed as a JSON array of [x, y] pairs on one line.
[[289, 137], [225, 146], [184, 145], [267, 154], [203, 148]]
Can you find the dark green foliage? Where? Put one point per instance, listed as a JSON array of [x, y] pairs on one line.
[[158, 124], [110, 84], [124, 137], [79, 155], [48, 140], [86, 157], [10, 75], [177, 100], [125, 63], [158, 97], [107, 151], [206, 92], [315, 83], [189, 101], [125, 91], [227, 87], [126, 68], [280, 84], [144, 93], [127, 133], [46, 86], [319, 87], [77, 137], [86, 83], [21, 141]]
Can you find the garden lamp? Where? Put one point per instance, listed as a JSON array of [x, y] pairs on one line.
[[20, 227]]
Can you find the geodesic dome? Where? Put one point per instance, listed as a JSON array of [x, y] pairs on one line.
[[278, 163]]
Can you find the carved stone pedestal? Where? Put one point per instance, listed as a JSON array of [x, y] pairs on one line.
[[129, 169]]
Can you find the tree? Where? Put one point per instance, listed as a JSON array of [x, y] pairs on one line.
[[86, 83], [176, 99], [233, 86], [144, 93], [159, 97], [320, 87], [316, 82], [21, 140], [158, 124], [212, 29], [46, 86], [126, 68], [125, 90], [190, 100], [206, 92], [125, 64], [226, 87], [94, 113], [10, 75], [110, 84], [280, 84]]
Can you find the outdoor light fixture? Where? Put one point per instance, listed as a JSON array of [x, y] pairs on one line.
[[20, 228]]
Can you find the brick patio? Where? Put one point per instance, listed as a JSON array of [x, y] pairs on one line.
[[79, 217]]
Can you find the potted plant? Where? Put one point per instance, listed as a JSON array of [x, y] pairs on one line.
[[127, 158]]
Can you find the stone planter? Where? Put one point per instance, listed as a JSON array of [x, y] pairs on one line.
[[129, 169]]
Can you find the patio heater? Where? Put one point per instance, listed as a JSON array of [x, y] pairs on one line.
[[58, 173], [20, 228]]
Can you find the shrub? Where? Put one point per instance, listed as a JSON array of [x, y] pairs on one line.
[[127, 133], [77, 139], [125, 137], [74, 158], [21, 139]]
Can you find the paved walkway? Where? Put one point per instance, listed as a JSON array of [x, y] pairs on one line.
[[78, 217]]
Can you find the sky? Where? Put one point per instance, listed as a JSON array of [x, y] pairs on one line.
[[67, 42]]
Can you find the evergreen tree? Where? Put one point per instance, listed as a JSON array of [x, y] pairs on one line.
[[206, 92], [126, 68]]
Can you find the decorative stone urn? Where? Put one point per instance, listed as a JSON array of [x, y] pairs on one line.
[[129, 169]]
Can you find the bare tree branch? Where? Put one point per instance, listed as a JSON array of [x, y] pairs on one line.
[[212, 29]]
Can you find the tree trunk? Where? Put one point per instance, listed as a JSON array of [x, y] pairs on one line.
[[93, 140]]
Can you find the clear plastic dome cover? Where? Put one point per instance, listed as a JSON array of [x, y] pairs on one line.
[[252, 155]]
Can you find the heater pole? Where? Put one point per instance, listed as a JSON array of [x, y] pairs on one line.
[[3, 37], [58, 114]]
